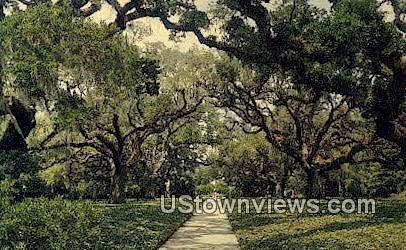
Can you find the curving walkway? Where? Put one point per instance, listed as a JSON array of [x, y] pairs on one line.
[[204, 231]]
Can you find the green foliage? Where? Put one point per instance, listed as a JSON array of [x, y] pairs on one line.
[[204, 190], [195, 18], [354, 41], [221, 187], [243, 35], [369, 180], [90, 80], [22, 33], [14, 163], [137, 225], [6, 189], [183, 185], [19, 175], [383, 230], [141, 182], [44, 224], [71, 109], [46, 44], [297, 182], [249, 164], [62, 224], [31, 186]]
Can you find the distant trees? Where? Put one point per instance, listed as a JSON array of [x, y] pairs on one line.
[[186, 144], [252, 166]]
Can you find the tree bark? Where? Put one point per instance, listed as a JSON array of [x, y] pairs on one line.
[[280, 188], [390, 116], [168, 188], [281, 184], [118, 180], [310, 183]]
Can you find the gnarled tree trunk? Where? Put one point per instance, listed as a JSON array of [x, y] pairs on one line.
[[281, 183], [310, 183], [118, 181]]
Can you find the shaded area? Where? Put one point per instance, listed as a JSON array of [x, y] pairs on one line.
[[19, 122], [136, 225], [382, 230]]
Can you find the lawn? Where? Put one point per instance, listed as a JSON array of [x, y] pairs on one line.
[[64, 224], [137, 225], [383, 230]]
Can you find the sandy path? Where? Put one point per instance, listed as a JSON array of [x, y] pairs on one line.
[[204, 231]]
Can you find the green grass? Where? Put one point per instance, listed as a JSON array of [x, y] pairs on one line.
[[63, 224], [137, 225], [383, 230]]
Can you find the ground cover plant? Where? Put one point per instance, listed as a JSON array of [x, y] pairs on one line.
[[137, 225], [383, 230], [63, 224]]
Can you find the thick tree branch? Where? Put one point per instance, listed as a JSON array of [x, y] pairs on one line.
[[332, 118]]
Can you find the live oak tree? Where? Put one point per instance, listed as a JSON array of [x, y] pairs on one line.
[[175, 154], [285, 43], [252, 166], [269, 42], [166, 9], [350, 51], [319, 132], [102, 95], [255, 35], [333, 53], [363, 57]]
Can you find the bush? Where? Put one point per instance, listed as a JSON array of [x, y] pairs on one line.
[[221, 187], [45, 224], [20, 171], [401, 196], [382, 230], [183, 186], [6, 188], [4, 207], [353, 188], [233, 192], [27, 186], [206, 189], [32, 186], [297, 183], [13, 163], [62, 224]]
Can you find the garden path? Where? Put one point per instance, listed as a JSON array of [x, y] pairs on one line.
[[204, 231]]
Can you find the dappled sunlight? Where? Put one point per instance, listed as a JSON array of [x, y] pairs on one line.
[[269, 231], [107, 106]]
